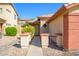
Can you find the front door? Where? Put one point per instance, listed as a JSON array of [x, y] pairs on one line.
[[0, 30]]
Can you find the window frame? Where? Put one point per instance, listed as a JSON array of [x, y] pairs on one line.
[[15, 16], [8, 10], [8, 24], [1, 11]]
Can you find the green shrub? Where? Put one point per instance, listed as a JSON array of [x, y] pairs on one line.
[[29, 28], [32, 29], [11, 31], [26, 29]]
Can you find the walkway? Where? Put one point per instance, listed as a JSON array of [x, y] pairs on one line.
[[35, 49]]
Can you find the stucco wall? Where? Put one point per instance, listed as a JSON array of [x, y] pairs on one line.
[[56, 26], [71, 30], [74, 32], [7, 15]]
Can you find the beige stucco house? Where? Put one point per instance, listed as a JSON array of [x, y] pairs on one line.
[[63, 26], [8, 16], [42, 20]]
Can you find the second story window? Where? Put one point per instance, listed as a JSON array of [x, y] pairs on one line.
[[8, 24], [8, 10], [15, 17], [0, 10]]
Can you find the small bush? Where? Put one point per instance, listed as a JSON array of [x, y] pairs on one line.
[[26, 29], [29, 28], [11, 31], [32, 29]]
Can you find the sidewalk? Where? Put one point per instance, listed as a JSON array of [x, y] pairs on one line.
[[35, 49]]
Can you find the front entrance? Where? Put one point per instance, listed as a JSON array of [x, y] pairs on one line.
[[0, 30], [2, 21]]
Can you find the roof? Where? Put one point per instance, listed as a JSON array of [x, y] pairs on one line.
[[63, 9], [35, 21], [14, 8], [27, 20], [46, 15]]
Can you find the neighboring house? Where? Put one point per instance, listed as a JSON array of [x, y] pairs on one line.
[[42, 20], [8, 16], [20, 24], [65, 23]]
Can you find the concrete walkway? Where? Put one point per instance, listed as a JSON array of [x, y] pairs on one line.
[[35, 49]]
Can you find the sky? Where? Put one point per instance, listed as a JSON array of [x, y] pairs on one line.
[[33, 10]]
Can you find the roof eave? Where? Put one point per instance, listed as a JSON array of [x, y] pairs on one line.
[[59, 12], [62, 10]]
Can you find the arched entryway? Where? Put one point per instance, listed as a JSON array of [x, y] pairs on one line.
[[2, 21]]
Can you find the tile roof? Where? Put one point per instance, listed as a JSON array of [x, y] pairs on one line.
[[46, 15]]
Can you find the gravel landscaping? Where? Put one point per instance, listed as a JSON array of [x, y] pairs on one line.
[[54, 52], [11, 47], [14, 51], [51, 52]]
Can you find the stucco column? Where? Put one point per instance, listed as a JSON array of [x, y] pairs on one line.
[[3, 29], [43, 33], [44, 40], [66, 32], [18, 30], [25, 39]]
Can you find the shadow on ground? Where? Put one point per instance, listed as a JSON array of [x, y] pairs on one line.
[[17, 45], [53, 45], [36, 41]]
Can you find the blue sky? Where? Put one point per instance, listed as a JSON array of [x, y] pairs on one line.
[[32, 10]]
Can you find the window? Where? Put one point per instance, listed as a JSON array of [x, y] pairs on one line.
[[0, 10], [45, 25], [15, 17], [8, 24], [8, 10]]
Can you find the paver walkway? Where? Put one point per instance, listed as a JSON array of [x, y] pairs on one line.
[[35, 49]]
